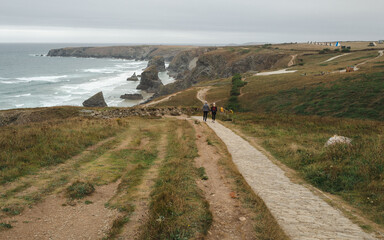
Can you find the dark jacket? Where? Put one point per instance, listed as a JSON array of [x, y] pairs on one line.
[[213, 109], [206, 108]]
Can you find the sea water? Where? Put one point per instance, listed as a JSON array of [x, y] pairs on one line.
[[28, 78]]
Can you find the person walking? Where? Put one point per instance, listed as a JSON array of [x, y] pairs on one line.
[[213, 110], [205, 111]]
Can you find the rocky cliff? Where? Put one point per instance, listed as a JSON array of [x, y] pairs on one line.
[[158, 62], [124, 52], [192, 66]]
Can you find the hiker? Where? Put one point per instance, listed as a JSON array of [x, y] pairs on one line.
[[213, 110], [205, 111]]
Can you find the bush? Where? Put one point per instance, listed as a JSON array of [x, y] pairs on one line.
[[79, 190], [325, 50], [237, 83], [346, 50]]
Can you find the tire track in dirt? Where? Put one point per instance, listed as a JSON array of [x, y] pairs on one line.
[[53, 218], [132, 229]]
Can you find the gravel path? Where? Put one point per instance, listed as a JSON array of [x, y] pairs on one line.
[[300, 213]]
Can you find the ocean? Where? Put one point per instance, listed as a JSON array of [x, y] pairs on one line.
[[28, 78]]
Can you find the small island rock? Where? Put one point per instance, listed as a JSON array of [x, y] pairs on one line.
[[134, 96], [96, 100], [133, 77]]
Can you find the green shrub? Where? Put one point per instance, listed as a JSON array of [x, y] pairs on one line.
[[79, 190]]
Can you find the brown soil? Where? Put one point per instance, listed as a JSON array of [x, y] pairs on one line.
[[54, 219], [230, 219]]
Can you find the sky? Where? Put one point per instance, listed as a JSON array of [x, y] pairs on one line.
[[190, 21]]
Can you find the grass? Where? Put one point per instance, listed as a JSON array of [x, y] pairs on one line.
[[178, 209], [27, 148], [4, 226], [185, 99], [359, 96], [354, 172]]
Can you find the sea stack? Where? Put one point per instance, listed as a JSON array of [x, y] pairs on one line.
[[157, 61], [96, 100], [133, 78], [150, 81]]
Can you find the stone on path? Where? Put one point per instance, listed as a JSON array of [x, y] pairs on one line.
[[300, 213]]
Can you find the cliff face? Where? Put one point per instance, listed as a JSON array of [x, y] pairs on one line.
[[157, 61], [186, 61], [192, 66], [124, 52]]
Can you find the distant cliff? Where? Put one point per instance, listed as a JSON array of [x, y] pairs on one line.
[[144, 52], [192, 66]]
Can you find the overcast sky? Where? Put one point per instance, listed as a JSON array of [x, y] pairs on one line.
[[192, 21]]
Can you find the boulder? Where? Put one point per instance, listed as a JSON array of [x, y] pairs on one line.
[[338, 140], [96, 100], [133, 78], [134, 96], [150, 80], [157, 61]]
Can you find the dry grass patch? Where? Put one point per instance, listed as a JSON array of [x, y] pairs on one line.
[[186, 98]]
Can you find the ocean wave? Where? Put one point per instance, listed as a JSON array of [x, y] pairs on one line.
[[22, 95], [42, 78]]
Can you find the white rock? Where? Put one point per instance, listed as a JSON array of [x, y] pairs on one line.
[[338, 140]]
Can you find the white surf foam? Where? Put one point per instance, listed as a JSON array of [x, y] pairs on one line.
[[42, 78]]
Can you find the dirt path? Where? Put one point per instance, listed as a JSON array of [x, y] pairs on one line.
[[202, 93], [301, 214], [333, 58], [142, 197], [356, 67], [292, 61], [230, 220], [159, 101], [281, 71], [53, 219]]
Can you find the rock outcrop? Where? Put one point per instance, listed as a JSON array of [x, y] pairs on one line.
[[186, 61], [134, 96], [133, 78], [157, 61], [150, 81], [137, 111], [96, 100]]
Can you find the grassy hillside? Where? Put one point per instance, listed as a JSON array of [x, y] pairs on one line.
[[357, 96], [354, 172]]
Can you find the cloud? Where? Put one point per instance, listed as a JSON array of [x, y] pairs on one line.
[[198, 20]]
